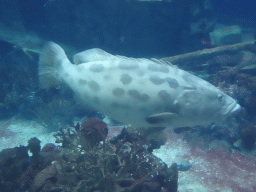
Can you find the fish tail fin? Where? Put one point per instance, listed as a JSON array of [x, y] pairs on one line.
[[50, 65]]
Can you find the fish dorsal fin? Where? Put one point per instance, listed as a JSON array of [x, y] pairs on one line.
[[162, 62], [90, 55], [159, 118], [144, 61]]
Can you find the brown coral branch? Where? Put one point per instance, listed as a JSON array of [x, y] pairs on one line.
[[202, 56]]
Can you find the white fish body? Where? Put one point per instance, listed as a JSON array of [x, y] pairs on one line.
[[137, 92]]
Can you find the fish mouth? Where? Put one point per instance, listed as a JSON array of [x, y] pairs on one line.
[[233, 108], [236, 109]]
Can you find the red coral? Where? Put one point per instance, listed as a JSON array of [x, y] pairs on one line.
[[94, 130]]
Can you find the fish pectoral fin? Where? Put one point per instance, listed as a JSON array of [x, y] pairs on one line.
[[160, 117], [91, 55]]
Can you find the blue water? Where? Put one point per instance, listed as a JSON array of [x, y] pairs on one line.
[[132, 28], [243, 9]]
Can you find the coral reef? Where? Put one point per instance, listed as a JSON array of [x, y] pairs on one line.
[[34, 146], [247, 132], [13, 163], [93, 130], [86, 162]]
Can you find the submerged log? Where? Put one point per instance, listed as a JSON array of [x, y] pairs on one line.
[[204, 55]]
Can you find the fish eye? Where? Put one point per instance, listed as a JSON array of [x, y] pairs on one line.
[[220, 97]]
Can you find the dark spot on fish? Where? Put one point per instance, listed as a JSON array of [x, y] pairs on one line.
[[94, 86], [107, 77], [119, 105], [141, 73], [173, 83], [163, 69], [152, 67], [136, 95], [96, 68], [164, 95], [155, 120], [144, 97], [96, 100], [125, 79], [189, 78], [118, 92], [158, 68], [128, 65], [156, 80], [82, 82], [186, 78]]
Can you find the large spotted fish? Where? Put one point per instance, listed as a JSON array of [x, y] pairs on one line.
[[138, 92]]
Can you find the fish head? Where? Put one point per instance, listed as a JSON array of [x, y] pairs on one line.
[[206, 104], [226, 106]]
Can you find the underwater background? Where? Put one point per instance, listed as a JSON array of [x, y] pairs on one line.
[[50, 142]]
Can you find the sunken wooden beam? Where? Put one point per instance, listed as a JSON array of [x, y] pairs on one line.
[[204, 55]]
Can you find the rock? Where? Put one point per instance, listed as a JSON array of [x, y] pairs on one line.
[[226, 35], [184, 166], [44, 175]]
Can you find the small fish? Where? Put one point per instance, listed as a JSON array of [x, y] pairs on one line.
[[137, 92]]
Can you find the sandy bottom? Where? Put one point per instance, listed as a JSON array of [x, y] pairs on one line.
[[15, 132]]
